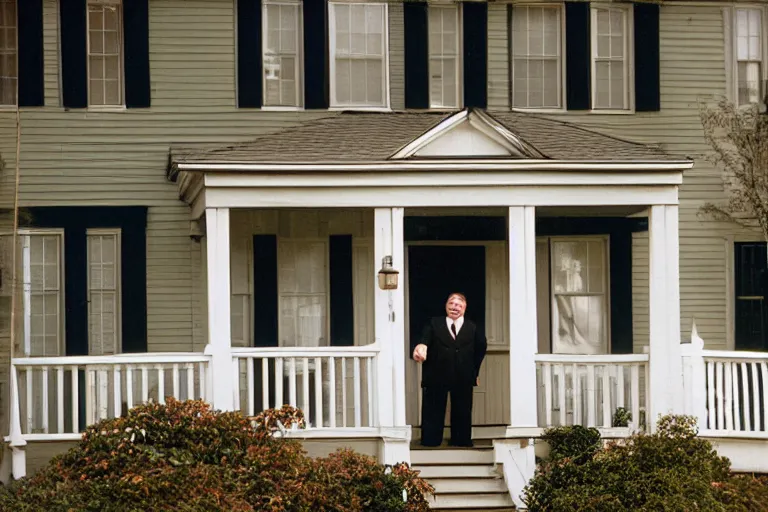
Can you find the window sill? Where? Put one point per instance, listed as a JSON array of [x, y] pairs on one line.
[[106, 108], [276, 108], [561, 111], [358, 109]]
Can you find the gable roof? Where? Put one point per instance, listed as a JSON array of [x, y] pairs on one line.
[[364, 137]]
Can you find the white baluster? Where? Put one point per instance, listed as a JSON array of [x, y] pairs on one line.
[[75, 400], [129, 386], [755, 397], [60, 399], [620, 402], [175, 375], [711, 393], [728, 406], [279, 383], [546, 377], [736, 392], [305, 388], [369, 382], [332, 392], [318, 392], [238, 399], [160, 384], [745, 395], [190, 369], [562, 401], [103, 387], [249, 385], [45, 399], [356, 391], [292, 382], [30, 375], [577, 407], [201, 375], [265, 383], [145, 384], [607, 411], [90, 396], [591, 422], [343, 391], [764, 373], [634, 382], [117, 391]]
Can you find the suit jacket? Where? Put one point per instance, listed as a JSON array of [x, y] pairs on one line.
[[452, 361]]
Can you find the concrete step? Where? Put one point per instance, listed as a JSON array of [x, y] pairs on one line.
[[452, 456], [445, 486], [487, 501], [463, 471]]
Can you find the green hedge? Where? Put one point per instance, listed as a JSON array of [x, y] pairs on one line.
[[184, 457], [670, 470]]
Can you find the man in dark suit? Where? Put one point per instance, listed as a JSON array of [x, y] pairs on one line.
[[452, 349]]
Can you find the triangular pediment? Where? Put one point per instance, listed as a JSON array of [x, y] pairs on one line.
[[468, 134]]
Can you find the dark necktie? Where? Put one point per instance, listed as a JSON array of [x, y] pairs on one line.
[[453, 330]]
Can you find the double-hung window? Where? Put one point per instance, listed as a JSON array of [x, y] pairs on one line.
[[749, 54], [537, 50], [444, 51], [103, 291], [105, 56], [8, 52], [610, 58], [358, 51], [282, 53]]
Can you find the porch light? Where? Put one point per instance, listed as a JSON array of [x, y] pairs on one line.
[[387, 274]]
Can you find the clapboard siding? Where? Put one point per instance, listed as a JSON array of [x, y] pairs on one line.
[[692, 68]]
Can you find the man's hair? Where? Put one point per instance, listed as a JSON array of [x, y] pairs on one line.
[[458, 296]]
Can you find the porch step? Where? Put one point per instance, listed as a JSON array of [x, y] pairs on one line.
[[464, 479]]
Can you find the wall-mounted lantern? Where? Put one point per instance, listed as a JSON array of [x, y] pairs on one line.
[[387, 275]]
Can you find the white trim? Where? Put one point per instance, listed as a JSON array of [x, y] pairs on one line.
[[588, 359], [730, 293], [332, 57], [628, 59], [730, 32], [479, 120], [118, 359], [443, 165]]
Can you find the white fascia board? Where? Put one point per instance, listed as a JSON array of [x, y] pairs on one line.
[[470, 165]]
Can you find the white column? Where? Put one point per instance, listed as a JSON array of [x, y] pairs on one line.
[[665, 373], [219, 329], [522, 316], [389, 314]]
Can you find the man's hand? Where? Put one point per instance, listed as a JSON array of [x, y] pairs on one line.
[[477, 382], [420, 353]]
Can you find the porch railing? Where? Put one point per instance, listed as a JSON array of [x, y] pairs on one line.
[[588, 390], [57, 397], [726, 390], [333, 386]]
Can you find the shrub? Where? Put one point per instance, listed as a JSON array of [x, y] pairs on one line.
[[671, 469], [183, 456]]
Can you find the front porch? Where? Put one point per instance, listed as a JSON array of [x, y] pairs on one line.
[[550, 245]]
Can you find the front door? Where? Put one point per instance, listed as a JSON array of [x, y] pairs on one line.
[[434, 272]]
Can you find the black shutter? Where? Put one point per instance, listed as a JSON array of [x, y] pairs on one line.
[[647, 87], [74, 70], [265, 309], [30, 37], [751, 273], [316, 73], [475, 20], [133, 254], [249, 65], [136, 40], [621, 290], [578, 64], [342, 304], [416, 55], [76, 290]]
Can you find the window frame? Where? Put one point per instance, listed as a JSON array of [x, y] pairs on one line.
[[732, 62], [118, 284], [299, 67], [459, 72], [629, 51], [121, 49], [27, 294], [14, 51], [333, 103], [733, 271], [562, 68], [606, 282]]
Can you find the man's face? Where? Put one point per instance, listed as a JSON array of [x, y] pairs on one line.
[[455, 307]]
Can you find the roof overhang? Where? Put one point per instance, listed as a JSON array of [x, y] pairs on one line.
[[428, 183]]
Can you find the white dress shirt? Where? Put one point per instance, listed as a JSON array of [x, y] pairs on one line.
[[459, 322]]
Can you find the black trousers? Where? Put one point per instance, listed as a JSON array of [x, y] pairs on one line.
[[433, 403]]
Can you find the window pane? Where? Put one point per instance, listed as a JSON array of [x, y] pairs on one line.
[[578, 324], [536, 46], [8, 52], [358, 43], [281, 57], [104, 54], [749, 82], [443, 53], [41, 258]]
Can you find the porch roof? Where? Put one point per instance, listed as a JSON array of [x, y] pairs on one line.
[[369, 138]]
